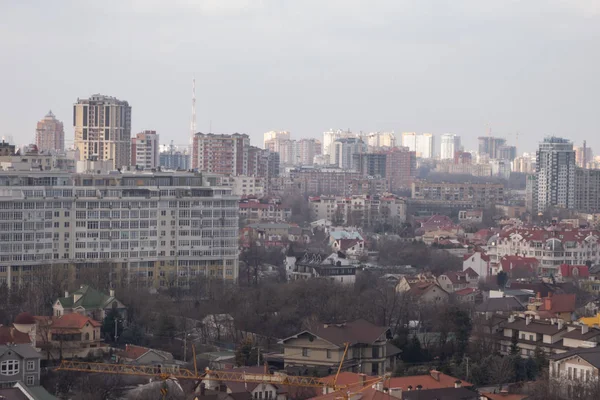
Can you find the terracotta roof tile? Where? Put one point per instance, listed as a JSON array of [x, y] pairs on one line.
[[9, 334], [426, 381], [73, 321]]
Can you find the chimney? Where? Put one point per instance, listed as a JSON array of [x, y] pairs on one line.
[[560, 324], [548, 302], [111, 292], [66, 293], [419, 387], [584, 329], [409, 388], [457, 384], [435, 374], [527, 319], [363, 379]]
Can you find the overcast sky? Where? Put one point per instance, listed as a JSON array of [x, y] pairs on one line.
[[306, 66]]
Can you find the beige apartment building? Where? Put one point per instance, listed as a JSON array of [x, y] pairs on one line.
[[478, 195], [50, 134], [103, 129]]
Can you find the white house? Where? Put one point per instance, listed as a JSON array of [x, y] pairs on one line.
[[478, 262]]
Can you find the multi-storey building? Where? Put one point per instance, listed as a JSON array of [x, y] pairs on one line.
[[376, 140], [344, 150], [400, 168], [221, 154], [331, 136], [477, 195], [450, 144], [463, 157], [506, 152], [50, 134], [307, 150], [370, 164], [583, 155], [490, 145], [421, 144], [289, 152], [551, 248], [524, 164], [144, 150], [159, 229], [359, 209], [252, 211], [555, 172], [171, 158], [587, 190], [270, 137], [103, 129]]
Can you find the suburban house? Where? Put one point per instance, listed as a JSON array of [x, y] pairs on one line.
[[478, 262], [143, 355], [452, 281], [553, 306], [428, 293], [499, 305], [574, 369], [531, 333], [89, 301], [568, 273], [406, 282], [336, 267], [245, 390], [468, 295], [322, 347], [19, 363], [68, 336], [349, 242], [22, 331], [581, 336], [517, 266]]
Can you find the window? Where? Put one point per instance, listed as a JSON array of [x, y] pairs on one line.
[[30, 380], [30, 365], [305, 352], [9, 367], [328, 353], [87, 336]]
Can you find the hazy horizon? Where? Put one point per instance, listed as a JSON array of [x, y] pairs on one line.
[[309, 66]]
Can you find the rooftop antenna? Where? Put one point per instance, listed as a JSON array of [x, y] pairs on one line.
[[193, 121]]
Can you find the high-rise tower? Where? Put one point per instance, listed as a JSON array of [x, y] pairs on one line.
[[555, 175], [50, 134], [103, 129], [193, 121]]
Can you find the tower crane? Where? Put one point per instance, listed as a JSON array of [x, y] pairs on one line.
[[152, 371]]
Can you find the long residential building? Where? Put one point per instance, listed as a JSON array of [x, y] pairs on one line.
[[152, 229], [551, 247], [478, 195]]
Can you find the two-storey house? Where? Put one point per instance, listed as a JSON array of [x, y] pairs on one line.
[[19, 363], [576, 371], [453, 281], [89, 301], [530, 333], [322, 347]]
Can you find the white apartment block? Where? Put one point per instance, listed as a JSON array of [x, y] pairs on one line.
[[245, 186], [145, 150], [450, 144], [152, 229], [421, 144]]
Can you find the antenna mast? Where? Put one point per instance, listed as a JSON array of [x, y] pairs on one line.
[[193, 121]]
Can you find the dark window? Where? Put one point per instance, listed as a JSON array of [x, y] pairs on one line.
[[85, 115]]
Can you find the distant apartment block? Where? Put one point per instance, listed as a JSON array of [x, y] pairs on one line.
[[50, 134], [359, 209], [270, 137], [400, 168], [344, 150], [376, 140], [490, 146], [148, 229], [307, 150], [331, 136], [313, 182], [253, 211], [422, 144], [144, 150], [174, 159], [221, 153], [478, 195], [370, 164], [103, 129], [450, 144], [583, 156], [555, 173]]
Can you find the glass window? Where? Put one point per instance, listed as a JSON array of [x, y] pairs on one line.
[[9, 367], [305, 352], [30, 365]]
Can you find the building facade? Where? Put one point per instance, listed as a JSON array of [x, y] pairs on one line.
[[171, 158], [270, 137], [221, 154], [490, 145], [50, 134], [400, 168], [103, 129], [154, 229], [555, 173], [307, 150], [331, 136], [344, 150], [144, 150], [478, 195], [450, 144]]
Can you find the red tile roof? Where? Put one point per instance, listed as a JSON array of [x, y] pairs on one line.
[[346, 244], [465, 291], [73, 321], [569, 271], [435, 380], [558, 303], [134, 352], [421, 288], [504, 396], [9, 334], [484, 256], [471, 274], [510, 263]]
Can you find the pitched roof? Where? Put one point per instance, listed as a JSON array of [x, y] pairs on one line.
[[337, 235], [433, 380], [465, 291], [24, 350], [9, 334], [591, 355], [509, 263], [364, 394], [577, 335], [134, 352], [90, 298], [567, 270], [73, 321], [504, 396], [35, 392], [535, 326], [358, 331], [346, 244], [500, 304], [449, 393], [559, 303], [421, 288]]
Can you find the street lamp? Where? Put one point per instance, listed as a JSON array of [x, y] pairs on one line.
[[185, 336]]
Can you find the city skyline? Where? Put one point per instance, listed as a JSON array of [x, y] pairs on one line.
[[482, 82]]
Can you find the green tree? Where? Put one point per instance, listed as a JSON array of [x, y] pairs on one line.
[[514, 346], [246, 353], [166, 327], [501, 279], [108, 325], [540, 358], [413, 352]]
